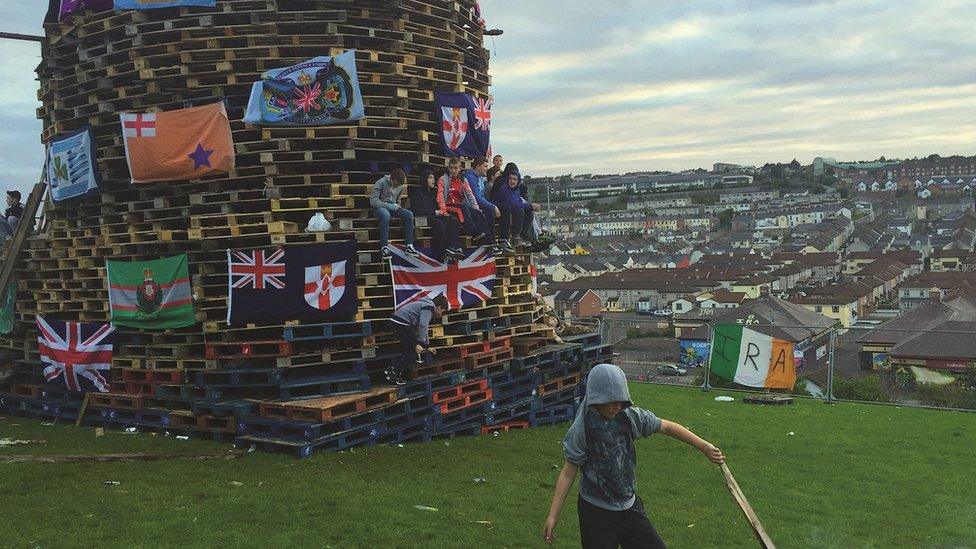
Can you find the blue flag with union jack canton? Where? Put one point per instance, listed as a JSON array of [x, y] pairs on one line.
[[315, 282], [78, 353], [468, 282], [465, 123]]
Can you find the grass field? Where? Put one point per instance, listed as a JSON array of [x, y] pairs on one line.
[[851, 476]]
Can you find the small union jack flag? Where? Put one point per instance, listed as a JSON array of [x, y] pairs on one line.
[[76, 351], [482, 113], [253, 269], [468, 282]]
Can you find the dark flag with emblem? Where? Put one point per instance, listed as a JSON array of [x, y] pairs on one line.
[[465, 123], [154, 295], [316, 283]]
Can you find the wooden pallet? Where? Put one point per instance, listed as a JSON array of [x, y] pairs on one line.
[[325, 409]]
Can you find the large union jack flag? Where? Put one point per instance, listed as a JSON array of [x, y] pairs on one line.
[[76, 351], [257, 270], [468, 282]]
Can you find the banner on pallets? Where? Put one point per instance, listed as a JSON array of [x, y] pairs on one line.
[[70, 165], [178, 145], [470, 281], [76, 352], [154, 295], [465, 124], [153, 4], [320, 91], [59, 10], [297, 283]]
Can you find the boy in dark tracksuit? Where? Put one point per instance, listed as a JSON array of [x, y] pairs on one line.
[[445, 227], [600, 444], [516, 211], [411, 324]]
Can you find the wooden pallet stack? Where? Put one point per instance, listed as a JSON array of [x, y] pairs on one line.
[[214, 379]]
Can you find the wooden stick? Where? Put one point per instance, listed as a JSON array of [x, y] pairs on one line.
[[82, 410], [69, 458], [18, 36], [751, 516]]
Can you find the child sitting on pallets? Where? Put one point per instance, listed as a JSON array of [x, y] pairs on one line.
[[600, 444], [455, 197], [385, 201], [410, 324], [445, 228]]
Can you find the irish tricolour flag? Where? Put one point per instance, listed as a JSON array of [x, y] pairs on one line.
[[750, 358]]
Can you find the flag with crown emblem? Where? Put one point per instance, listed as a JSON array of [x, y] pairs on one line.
[[154, 295], [178, 145], [322, 90], [315, 282], [465, 123]]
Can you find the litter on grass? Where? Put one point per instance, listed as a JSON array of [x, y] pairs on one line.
[[16, 442], [479, 480], [724, 399], [791, 433], [112, 482], [236, 483], [425, 508]]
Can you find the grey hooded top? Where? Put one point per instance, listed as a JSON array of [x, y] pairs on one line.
[[604, 448]]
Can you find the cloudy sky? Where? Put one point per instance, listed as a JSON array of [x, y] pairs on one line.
[[672, 84]]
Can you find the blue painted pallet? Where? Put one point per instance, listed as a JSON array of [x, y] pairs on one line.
[[519, 410], [236, 408], [554, 414], [586, 340], [245, 377], [393, 422], [61, 393], [475, 412], [562, 369], [324, 386], [146, 418], [314, 371], [542, 356], [417, 430], [504, 385], [565, 396], [571, 353], [427, 385], [461, 430], [337, 330], [509, 399], [305, 449]]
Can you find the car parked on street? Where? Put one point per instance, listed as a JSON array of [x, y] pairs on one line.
[[671, 370]]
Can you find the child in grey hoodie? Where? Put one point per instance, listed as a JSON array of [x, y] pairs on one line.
[[600, 444]]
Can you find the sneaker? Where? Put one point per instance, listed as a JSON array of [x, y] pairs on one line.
[[494, 32], [496, 250], [386, 253], [393, 376], [410, 250], [506, 247], [456, 253]]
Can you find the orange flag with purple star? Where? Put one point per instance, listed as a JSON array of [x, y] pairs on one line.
[[178, 145]]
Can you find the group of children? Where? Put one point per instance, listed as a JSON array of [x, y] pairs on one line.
[[468, 202]]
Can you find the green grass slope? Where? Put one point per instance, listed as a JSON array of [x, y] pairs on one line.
[[851, 476]]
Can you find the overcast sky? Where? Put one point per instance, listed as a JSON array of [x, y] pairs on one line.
[[668, 85]]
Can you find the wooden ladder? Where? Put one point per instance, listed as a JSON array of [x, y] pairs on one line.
[[24, 229]]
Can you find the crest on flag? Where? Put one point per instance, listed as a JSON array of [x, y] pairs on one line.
[[257, 269], [322, 90], [316, 282], [76, 351], [71, 169], [465, 123], [153, 295], [455, 126], [468, 282], [325, 285]]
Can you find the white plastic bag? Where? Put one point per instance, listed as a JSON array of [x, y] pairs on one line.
[[318, 224]]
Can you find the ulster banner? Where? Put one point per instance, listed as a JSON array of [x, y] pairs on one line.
[[71, 169], [299, 283], [323, 90], [465, 123]]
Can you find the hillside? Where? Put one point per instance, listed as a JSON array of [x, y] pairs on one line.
[[850, 476]]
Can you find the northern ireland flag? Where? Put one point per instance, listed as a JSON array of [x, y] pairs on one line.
[[752, 358], [465, 123], [315, 282], [468, 282], [78, 353]]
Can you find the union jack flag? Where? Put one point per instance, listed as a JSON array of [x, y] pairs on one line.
[[482, 113], [468, 282], [255, 270], [75, 350]]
